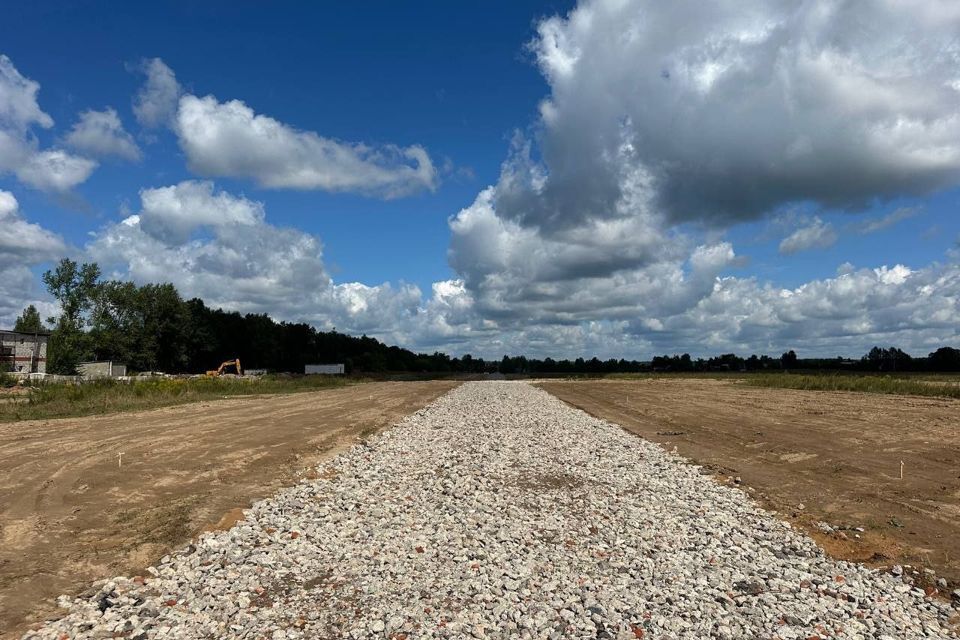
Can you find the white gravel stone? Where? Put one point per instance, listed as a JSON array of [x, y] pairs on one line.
[[500, 512]]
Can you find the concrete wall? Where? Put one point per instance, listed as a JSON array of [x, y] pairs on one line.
[[104, 369], [23, 352], [324, 369]]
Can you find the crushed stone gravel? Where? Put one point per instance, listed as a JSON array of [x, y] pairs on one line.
[[499, 512]]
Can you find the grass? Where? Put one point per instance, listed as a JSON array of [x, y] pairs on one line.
[[650, 375], [939, 387], [58, 400], [906, 383]]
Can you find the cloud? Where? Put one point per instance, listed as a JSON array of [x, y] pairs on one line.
[[220, 247], [55, 170], [22, 242], [817, 235], [49, 169], [516, 272], [155, 104], [873, 225], [734, 109], [671, 296], [100, 133], [229, 139], [18, 99], [666, 125], [917, 309], [171, 214], [22, 245]]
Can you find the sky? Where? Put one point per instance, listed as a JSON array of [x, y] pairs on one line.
[[619, 178]]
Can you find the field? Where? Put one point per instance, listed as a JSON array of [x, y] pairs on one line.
[[942, 386], [907, 384], [501, 512], [836, 453], [73, 510], [497, 496], [109, 396]]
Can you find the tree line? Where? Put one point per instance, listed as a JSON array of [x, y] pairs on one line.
[[152, 328], [878, 359]]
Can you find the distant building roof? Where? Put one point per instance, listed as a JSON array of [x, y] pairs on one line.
[[42, 332]]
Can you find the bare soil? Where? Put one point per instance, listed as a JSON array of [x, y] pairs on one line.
[[72, 510], [813, 456]]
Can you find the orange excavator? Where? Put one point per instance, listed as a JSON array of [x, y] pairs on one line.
[[216, 373]]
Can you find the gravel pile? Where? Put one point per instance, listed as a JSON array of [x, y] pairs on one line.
[[499, 512]]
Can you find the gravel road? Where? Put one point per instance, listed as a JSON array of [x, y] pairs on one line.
[[500, 512]]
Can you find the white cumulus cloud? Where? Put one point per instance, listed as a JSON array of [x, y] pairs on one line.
[[156, 103], [100, 134], [229, 139], [238, 260], [668, 124], [23, 242], [54, 170], [44, 169], [171, 213], [23, 245], [18, 99]]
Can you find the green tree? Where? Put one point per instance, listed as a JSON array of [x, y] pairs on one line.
[[29, 321], [945, 359], [116, 325], [145, 327], [165, 327], [789, 360], [74, 286], [892, 359]]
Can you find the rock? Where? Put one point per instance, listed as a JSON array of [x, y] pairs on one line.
[[498, 511]]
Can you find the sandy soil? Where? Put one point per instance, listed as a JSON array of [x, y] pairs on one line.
[[836, 454], [70, 513]]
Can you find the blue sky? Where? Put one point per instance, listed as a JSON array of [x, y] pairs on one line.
[[454, 77], [611, 178]]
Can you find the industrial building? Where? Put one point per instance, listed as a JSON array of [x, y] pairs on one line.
[[23, 352], [323, 369]]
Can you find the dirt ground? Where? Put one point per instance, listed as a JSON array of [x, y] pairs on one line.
[[72, 510], [813, 456]]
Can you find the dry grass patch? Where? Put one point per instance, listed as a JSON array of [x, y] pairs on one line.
[[937, 387], [58, 400]]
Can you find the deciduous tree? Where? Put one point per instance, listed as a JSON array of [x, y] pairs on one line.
[[29, 321], [74, 287]]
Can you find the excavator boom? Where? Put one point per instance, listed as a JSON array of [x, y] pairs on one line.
[[216, 373]]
